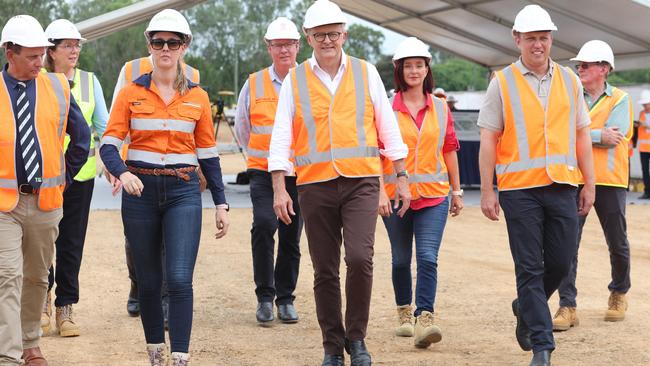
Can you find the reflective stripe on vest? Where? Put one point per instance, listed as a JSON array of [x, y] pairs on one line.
[[161, 159], [514, 171], [263, 105], [315, 156], [424, 181]]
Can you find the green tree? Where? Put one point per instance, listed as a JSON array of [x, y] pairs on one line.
[[364, 42], [459, 74]]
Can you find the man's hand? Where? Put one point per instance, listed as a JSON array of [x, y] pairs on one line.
[[403, 194], [132, 184], [490, 204], [283, 206], [115, 183], [611, 136], [384, 204], [222, 221], [586, 199]]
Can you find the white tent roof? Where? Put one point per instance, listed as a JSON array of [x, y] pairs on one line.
[[480, 30]]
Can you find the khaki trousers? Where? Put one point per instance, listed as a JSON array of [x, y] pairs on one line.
[[27, 237]]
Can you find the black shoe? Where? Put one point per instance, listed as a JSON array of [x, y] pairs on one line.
[[644, 196], [522, 332], [332, 360], [264, 313], [541, 358], [287, 313], [165, 309], [359, 355], [132, 304]]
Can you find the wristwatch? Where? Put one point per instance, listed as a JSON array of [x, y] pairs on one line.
[[225, 206], [402, 173], [457, 193]]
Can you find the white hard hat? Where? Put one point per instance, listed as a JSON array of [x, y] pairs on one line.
[[281, 28], [24, 30], [323, 12], [645, 97], [62, 29], [169, 20], [452, 99], [439, 91], [595, 51], [412, 47], [533, 18]]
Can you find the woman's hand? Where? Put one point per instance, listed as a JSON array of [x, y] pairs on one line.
[[384, 204], [456, 205], [131, 184], [115, 183], [221, 218]]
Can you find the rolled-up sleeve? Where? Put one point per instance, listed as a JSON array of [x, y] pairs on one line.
[[280, 148], [77, 153], [385, 121]]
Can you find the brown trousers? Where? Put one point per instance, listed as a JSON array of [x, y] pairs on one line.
[[341, 210]]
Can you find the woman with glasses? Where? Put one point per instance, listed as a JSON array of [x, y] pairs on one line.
[[169, 121], [428, 130], [63, 57]]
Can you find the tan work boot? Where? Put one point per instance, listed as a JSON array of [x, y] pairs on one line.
[[405, 321], [64, 322], [180, 359], [157, 354], [426, 332], [617, 307], [46, 315], [565, 318]]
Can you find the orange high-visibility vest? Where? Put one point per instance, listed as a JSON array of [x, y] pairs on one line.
[[643, 142], [537, 147], [425, 160], [334, 135], [611, 165], [135, 68], [263, 104], [51, 117]]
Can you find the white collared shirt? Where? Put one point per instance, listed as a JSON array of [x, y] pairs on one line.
[[385, 122]]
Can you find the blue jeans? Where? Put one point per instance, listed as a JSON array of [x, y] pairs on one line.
[[168, 211], [427, 225]]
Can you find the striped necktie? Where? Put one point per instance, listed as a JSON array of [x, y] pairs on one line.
[[27, 138]]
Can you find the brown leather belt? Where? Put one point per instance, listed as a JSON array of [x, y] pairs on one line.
[[176, 172]]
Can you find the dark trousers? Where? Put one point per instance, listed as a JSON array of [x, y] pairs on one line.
[[169, 209], [270, 283], [610, 208], [645, 169], [542, 229], [70, 242], [131, 267], [341, 210]]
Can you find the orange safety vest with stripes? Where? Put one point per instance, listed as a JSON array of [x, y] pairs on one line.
[[643, 142], [263, 104], [51, 117], [334, 135], [611, 165], [425, 160], [537, 146]]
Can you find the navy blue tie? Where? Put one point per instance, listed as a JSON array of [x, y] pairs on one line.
[[27, 138]]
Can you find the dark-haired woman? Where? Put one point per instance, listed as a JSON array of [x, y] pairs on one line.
[[428, 130], [169, 121]]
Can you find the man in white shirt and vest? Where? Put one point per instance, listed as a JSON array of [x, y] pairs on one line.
[[332, 111]]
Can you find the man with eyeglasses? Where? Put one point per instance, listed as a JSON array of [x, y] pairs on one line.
[[535, 135], [611, 115], [257, 105], [333, 111]]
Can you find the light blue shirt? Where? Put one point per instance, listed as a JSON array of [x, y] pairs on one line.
[[618, 117], [100, 114]]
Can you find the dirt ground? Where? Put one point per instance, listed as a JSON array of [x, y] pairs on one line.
[[476, 286]]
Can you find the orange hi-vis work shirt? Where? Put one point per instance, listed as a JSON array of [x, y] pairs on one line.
[[643, 142], [425, 162], [537, 146], [51, 116], [611, 164], [177, 133], [140, 66], [263, 104], [334, 135]]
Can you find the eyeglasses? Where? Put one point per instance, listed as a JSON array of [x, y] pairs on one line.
[[70, 46], [173, 44], [586, 65], [333, 36], [280, 46]]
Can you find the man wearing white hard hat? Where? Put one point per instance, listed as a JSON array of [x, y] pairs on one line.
[[535, 136], [643, 142], [38, 110], [611, 112], [63, 58], [257, 104], [332, 111]]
